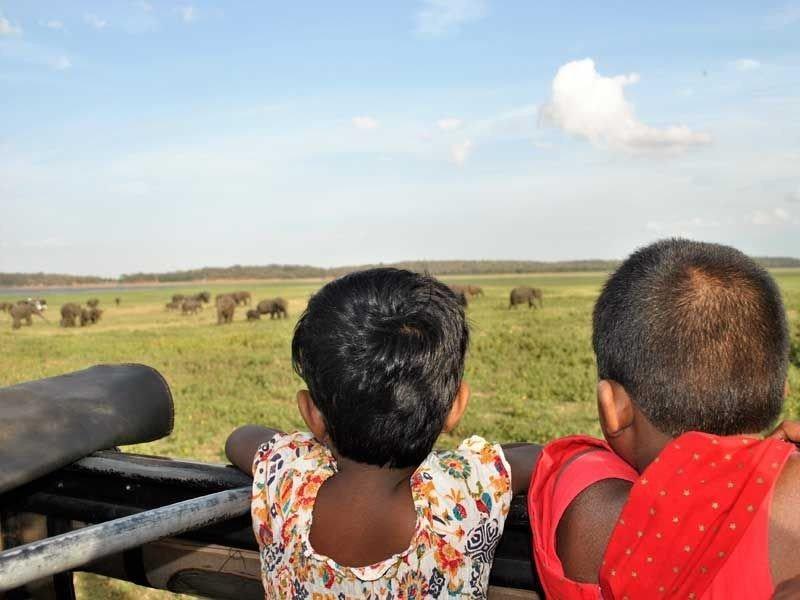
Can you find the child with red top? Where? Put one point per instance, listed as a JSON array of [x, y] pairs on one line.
[[683, 499]]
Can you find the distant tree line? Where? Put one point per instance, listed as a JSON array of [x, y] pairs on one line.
[[276, 271], [52, 279]]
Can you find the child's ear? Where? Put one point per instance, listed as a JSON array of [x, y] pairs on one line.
[[615, 408], [459, 406], [312, 416]]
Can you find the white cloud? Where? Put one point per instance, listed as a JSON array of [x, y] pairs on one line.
[[776, 216], [53, 24], [6, 28], [589, 105], [461, 151], [746, 64], [95, 21], [448, 124], [187, 13], [61, 63], [364, 122], [437, 17]]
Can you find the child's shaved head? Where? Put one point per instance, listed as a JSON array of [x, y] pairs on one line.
[[697, 335]]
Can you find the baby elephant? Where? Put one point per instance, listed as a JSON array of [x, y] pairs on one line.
[[253, 315]]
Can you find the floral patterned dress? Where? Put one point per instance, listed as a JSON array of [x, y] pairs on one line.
[[461, 498]]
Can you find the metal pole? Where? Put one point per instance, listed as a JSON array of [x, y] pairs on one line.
[[43, 558]]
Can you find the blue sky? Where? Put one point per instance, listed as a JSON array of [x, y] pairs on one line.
[[164, 135]]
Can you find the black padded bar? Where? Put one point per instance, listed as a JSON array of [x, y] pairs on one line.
[[50, 423]]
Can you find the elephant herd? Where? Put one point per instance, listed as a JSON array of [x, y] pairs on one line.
[[226, 305], [73, 314]]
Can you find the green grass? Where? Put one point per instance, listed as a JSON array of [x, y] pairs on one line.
[[531, 371]]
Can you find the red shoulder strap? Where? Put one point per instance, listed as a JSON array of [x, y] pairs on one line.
[[565, 468], [686, 513]]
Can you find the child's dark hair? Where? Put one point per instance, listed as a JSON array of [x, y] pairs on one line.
[[382, 353], [697, 335]]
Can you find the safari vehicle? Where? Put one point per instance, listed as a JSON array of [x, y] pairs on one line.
[[70, 501]]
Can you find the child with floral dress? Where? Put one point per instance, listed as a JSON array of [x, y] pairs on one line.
[[360, 505]]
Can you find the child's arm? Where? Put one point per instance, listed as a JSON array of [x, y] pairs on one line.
[[242, 444], [522, 460]]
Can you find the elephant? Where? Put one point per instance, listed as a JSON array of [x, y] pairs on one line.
[[474, 290], [191, 306], [274, 306], [6, 306], [69, 313], [523, 294], [253, 315], [226, 307], [178, 298], [173, 305], [117, 301], [23, 311], [202, 297], [92, 302], [241, 298], [90, 316]]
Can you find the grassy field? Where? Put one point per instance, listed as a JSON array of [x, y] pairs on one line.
[[532, 372]]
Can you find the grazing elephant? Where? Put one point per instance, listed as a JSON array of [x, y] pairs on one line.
[[226, 307], [92, 302], [241, 298], [178, 298], [203, 297], [474, 290], [69, 313], [274, 306], [191, 306], [173, 305], [117, 301], [523, 294], [253, 315], [90, 316], [23, 311]]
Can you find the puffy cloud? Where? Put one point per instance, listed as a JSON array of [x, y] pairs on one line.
[[589, 105], [776, 216], [437, 17], [6, 28], [448, 124], [461, 151], [187, 13], [95, 21], [364, 122], [746, 64]]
